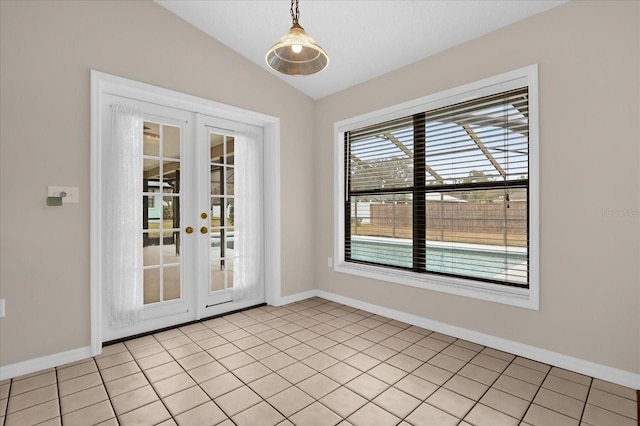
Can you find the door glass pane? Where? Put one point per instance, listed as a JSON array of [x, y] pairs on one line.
[[151, 139], [171, 142], [217, 274], [161, 212], [151, 285]]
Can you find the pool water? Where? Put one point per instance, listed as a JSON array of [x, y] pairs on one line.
[[469, 262]]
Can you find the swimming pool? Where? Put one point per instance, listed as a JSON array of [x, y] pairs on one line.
[[486, 263]]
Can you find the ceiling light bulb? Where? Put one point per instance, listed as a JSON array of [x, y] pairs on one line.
[[296, 48]]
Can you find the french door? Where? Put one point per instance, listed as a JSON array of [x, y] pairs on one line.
[[188, 223]]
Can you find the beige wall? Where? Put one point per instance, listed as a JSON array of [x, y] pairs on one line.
[[48, 49], [589, 71]]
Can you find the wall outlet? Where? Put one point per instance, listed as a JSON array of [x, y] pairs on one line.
[[1, 308], [330, 262], [72, 193]]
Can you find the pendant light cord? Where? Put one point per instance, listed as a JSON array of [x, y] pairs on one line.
[[295, 15]]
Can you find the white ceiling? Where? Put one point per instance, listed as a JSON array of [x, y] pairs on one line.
[[364, 39]]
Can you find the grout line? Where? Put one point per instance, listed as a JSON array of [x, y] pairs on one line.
[[586, 398]]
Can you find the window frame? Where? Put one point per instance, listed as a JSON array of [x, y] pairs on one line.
[[468, 287]]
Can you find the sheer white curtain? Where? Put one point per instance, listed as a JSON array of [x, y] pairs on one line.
[[122, 233], [248, 245]]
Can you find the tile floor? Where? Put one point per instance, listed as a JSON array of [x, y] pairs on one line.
[[310, 363]]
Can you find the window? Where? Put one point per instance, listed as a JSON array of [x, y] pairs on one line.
[[438, 193]]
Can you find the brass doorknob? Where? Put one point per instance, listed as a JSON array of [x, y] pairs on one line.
[[204, 230], [189, 230], [203, 215]]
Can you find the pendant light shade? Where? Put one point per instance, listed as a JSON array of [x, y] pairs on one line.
[[296, 53]]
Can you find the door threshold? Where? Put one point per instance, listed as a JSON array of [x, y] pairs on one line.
[[149, 333]]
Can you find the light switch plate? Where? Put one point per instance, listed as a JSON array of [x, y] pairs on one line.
[[73, 193], [2, 313]]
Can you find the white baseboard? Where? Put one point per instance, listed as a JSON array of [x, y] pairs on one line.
[[592, 369], [292, 298], [38, 364]]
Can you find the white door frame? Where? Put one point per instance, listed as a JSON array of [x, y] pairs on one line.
[[101, 84]]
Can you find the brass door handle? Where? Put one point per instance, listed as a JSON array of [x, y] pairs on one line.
[[203, 215], [204, 230], [189, 230]]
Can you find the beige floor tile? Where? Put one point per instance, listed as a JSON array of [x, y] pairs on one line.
[[211, 342], [534, 365], [269, 385], [540, 416], [427, 414], [185, 350], [301, 351], [447, 362], [237, 400], [33, 415], [91, 415], [195, 360], [460, 353], [32, 382], [263, 351], [133, 399], [374, 335], [207, 414], [431, 343], [257, 328], [173, 384], [596, 416], [322, 343], [615, 389], [199, 335], [126, 384], [395, 343], [83, 399], [113, 360], [168, 334], [479, 374], [79, 383], [236, 361], [505, 402], [163, 371], [570, 375], [296, 372], [139, 342], [415, 386], [3, 407], [4, 389], [31, 398], [112, 349], [469, 345], [516, 387], [175, 342], [387, 373], [340, 352], [304, 335], [207, 371], [318, 385], [319, 361], [315, 414], [185, 400], [612, 402], [154, 360], [433, 374], [339, 335], [367, 386], [223, 351], [404, 362], [409, 336], [379, 352], [76, 370], [420, 352], [56, 421], [278, 361], [397, 402], [498, 354], [148, 350], [220, 385], [372, 415], [260, 414], [119, 371], [341, 373], [566, 387], [285, 342], [270, 335], [236, 335], [561, 403], [151, 414], [343, 401], [358, 343], [251, 372], [490, 362], [290, 401], [466, 387], [526, 374], [451, 402], [481, 415]]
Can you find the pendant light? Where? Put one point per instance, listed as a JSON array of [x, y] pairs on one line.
[[296, 53]]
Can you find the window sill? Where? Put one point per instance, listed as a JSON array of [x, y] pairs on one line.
[[521, 297]]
